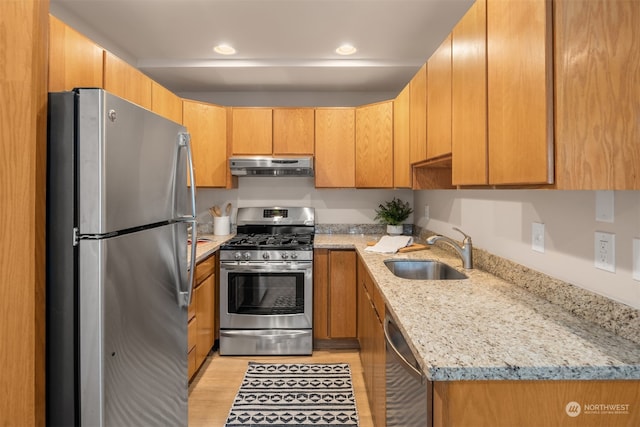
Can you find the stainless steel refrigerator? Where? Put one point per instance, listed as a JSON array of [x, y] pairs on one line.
[[118, 283]]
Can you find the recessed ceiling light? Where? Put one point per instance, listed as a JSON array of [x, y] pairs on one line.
[[346, 49], [224, 49]]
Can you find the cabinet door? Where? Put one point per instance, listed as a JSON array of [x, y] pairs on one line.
[[293, 130], [192, 334], [74, 60], [335, 148], [342, 294], [401, 140], [378, 375], [125, 81], [418, 115], [252, 131], [374, 145], [334, 282], [439, 101], [597, 57], [321, 294], [520, 91], [205, 316], [166, 103], [469, 97], [207, 125]]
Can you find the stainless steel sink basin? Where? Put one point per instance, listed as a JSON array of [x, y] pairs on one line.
[[418, 269]]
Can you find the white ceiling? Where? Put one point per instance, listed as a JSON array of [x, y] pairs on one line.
[[283, 45]]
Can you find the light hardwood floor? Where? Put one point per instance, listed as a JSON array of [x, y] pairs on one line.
[[214, 387]]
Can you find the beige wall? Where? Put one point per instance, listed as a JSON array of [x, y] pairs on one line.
[[499, 221]]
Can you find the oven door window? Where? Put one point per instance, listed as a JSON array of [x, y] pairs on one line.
[[266, 293]]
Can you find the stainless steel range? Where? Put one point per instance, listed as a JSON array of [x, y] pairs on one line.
[[266, 283]]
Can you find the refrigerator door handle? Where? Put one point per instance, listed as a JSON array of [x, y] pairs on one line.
[[185, 144], [185, 292]]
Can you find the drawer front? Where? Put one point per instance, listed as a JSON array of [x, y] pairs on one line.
[[205, 268], [192, 334], [191, 367]]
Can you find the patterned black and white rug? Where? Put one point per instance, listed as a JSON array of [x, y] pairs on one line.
[[295, 394]]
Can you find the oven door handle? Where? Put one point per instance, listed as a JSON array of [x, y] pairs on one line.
[[266, 267], [276, 336]]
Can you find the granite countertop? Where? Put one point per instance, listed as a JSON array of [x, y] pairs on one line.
[[208, 244], [484, 328]]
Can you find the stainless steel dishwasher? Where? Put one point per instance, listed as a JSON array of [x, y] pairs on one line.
[[409, 393]]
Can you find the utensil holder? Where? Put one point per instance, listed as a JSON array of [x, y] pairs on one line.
[[221, 225]]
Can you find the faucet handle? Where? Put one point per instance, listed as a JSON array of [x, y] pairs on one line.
[[467, 238]]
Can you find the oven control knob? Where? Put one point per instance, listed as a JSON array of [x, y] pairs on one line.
[[247, 256], [294, 256], [285, 255], [237, 255], [265, 255]]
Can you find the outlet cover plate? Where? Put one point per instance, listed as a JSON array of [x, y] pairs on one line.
[[537, 237], [605, 251], [604, 206]]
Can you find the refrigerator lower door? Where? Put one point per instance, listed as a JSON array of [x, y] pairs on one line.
[[133, 331]]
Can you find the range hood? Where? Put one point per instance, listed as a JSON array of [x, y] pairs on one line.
[[271, 166]]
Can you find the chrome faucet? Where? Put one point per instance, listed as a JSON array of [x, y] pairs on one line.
[[465, 251]]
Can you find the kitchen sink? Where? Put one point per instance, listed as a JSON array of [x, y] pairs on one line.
[[419, 269]]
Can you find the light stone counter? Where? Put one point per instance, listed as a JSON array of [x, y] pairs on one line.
[[208, 244], [484, 328]]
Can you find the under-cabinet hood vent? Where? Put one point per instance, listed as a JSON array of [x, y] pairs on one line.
[[271, 166]]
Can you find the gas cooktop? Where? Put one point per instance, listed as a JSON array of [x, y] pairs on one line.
[[270, 241]]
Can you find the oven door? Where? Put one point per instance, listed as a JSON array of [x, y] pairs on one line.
[[266, 295]]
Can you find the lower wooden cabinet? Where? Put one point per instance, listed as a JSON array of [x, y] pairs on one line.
[[334, 298], [536, 403], [202, 314], [371, 311]]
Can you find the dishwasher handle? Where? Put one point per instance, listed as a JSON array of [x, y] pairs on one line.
[[416, 373]]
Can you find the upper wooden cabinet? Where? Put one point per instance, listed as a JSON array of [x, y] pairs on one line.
[[293, 130], [597, 59], [74, 60], [374, 145], [335, 148], [469, 98], [251, 131], [439, 101], [207, 124], [402, 140], [125, 81], [520, 91], [166, 103], [418, 115]]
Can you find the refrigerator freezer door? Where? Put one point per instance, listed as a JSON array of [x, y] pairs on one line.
[[133, 331], [127, 164]]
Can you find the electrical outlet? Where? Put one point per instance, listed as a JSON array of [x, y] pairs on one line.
[[537, 237], [426, 212], [605, 251], [636, 259]]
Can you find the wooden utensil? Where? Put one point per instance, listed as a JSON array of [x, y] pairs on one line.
[[227, 209], [215, 211]]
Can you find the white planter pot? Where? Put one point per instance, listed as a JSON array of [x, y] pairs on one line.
[[394, 230]]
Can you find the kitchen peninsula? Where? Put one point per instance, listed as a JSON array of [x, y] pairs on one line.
[[486, 343]]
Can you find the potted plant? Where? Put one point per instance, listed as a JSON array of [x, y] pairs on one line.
[[392, 214]]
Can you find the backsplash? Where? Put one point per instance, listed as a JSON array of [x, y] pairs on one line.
[[378, 229]]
